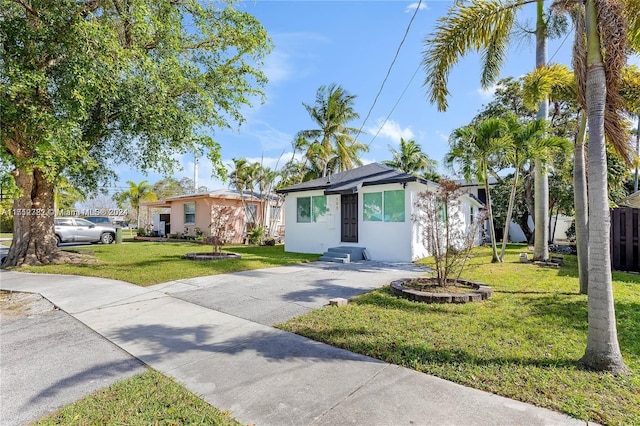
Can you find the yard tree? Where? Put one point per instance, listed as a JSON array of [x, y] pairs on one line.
[[486, 26], [87, 84], [411, 159], [137, 193], [332, 145], [472, 148], [599, 57]]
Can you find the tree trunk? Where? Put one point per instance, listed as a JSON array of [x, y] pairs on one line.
[[512, 198], [541, 182], [581, 206], [492, 231], [541, 196], [603, 350], [34, 240], [529, 202]]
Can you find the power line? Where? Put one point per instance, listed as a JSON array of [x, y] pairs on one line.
[[394, 106], [389, 70]]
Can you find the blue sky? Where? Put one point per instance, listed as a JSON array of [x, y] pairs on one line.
[[352, 44]]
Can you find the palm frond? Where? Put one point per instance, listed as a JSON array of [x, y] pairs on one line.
[[553, 81], [478, 26], [612, 25], [580, 55], [632, 14], [630, 88]]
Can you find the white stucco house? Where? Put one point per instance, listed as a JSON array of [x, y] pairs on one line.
[[369, 207]]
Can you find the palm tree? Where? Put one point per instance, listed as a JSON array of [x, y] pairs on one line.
[[516, 156], [333, 143], [597, 65], [410, 159], [472, 148], [137, 192], [486, 25]]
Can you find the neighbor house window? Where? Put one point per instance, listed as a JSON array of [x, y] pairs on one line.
[[275, 213], [471, 214], [251, 213], [189, 213], [387, 206], [311, 209]]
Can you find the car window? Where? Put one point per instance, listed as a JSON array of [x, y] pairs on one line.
[[98, 219], [64, 222], [83, 222]]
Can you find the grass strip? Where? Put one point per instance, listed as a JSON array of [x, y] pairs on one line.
[[147, 263], [145, 399], [523, 343]]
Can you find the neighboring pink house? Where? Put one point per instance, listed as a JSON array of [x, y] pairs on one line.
[[188, 212]]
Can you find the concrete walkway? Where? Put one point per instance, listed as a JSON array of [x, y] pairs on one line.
[[263, 375]]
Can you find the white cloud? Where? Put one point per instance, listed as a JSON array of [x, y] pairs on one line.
[[487, 93], [269, 137], [284, 62], [634, 60], [413, 6], [390, 130], [442, 135]]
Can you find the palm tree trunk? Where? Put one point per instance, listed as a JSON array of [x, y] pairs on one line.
[[603, 351], [512, 198], [541, 180], [492, 230], [581, 206]]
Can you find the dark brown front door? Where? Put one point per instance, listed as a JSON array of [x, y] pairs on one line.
[[349, 214]]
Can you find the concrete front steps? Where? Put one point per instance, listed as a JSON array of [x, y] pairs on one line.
[[343, 254]]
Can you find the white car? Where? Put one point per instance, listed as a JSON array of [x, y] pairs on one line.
[[78, 230]]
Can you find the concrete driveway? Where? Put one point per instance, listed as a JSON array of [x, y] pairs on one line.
[[274, 295]]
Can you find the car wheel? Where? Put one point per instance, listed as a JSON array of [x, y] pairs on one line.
[[106, 238], [58, 240]]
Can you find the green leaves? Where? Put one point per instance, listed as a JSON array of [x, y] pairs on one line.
[[84, 85], [481, 26]]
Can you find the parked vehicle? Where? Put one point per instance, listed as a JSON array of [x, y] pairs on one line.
[[75, 230], [99, 220]]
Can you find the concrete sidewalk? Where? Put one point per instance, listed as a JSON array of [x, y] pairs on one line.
[[263, 375]]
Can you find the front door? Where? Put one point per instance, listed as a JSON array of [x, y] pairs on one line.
[[349, 215]]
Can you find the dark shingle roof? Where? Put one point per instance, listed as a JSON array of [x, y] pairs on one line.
[[350, 181]]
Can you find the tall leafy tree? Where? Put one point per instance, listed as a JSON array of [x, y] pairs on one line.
[[86, 82], [471, 148], [137, 193], [332, 145], [411, 159], [486, 26]]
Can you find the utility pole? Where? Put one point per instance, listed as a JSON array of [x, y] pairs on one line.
[[195, 171]]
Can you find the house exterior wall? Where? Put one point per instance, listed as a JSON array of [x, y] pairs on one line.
[[385, 241], [203, 209]]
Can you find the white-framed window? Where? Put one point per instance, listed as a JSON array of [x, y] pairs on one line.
[[275, 212], [387, 206], [189, 213], [251, 213], [311, 209]]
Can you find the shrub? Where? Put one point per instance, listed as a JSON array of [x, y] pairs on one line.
[[444, 232]]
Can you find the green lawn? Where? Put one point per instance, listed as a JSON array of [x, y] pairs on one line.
[[146, 263], [523, 343], [146, 399]]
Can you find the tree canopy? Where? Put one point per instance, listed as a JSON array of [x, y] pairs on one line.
[[86, 84]]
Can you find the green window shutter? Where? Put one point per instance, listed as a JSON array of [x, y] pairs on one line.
[[372, 207], [304, 209], [318, 207], [394, 206]]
